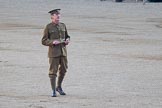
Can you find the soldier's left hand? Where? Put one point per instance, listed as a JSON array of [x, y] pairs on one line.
[[67, 42]]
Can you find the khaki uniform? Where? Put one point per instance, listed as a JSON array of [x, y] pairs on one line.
[[57, 53]]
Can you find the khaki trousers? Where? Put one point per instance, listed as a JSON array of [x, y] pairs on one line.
[[58, 64]]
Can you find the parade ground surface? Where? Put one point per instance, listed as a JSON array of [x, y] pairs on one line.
[[114, 58]]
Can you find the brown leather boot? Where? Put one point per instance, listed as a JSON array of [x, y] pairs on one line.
[[59, 83], [61, 92], [53, 86]]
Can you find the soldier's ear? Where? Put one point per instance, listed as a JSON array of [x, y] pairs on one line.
[[51, 17]]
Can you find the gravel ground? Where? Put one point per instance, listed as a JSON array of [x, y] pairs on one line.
[[115, 55]]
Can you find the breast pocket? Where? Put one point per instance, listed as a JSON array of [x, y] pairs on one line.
[[53, 34], [62, 31]]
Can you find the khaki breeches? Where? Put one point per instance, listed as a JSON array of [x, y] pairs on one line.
[[58, 64]]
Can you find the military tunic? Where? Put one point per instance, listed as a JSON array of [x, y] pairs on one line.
[[57, 53]]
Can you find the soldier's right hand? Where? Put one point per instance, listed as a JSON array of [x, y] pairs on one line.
[[56, 42]]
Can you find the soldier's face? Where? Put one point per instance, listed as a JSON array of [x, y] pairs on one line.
[[55, 18]]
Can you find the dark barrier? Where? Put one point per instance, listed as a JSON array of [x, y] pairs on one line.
[[118, 0], [155, 0]]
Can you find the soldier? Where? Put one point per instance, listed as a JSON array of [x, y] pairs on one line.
[[56, 38]]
